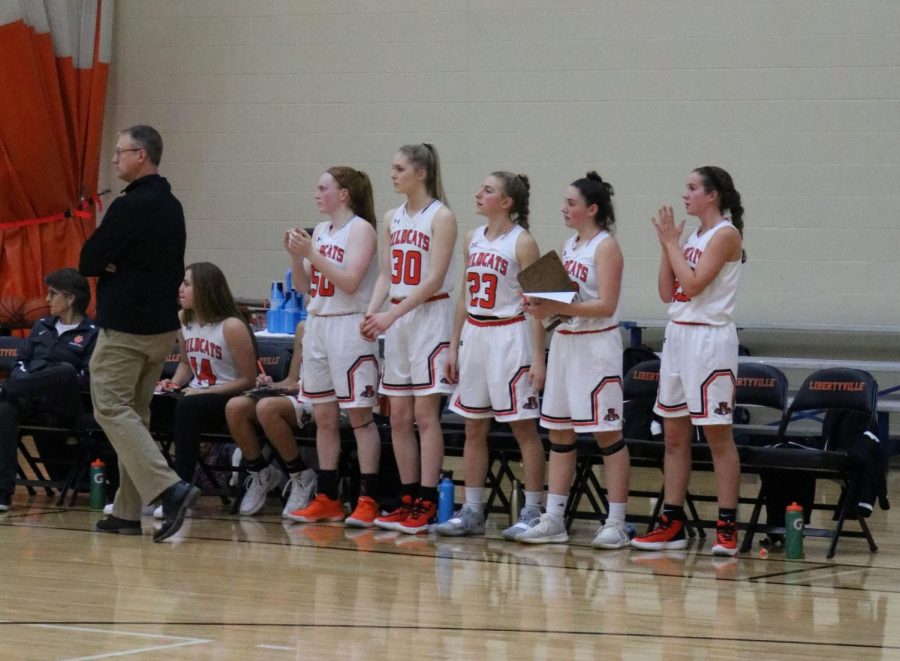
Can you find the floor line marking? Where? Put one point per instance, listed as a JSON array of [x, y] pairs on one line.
[[138, 650]]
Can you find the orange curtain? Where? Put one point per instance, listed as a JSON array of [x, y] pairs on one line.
[[54, 65]]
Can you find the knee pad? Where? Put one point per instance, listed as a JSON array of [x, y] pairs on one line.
[[612, 449], [561, 448]]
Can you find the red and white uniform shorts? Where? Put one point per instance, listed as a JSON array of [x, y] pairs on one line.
[[338, 363], [415, 350], [494, 359], [584, 381], [697, 373]]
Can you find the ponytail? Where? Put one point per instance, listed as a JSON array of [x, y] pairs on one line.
[[359, 188], [518, 189], [596, 191], [425, 156], [716, 179]]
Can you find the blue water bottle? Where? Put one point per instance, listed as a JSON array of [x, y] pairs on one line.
[[446, 492], [276, 300]]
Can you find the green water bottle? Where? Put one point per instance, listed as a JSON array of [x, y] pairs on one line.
[[793, 532], [98, 484]]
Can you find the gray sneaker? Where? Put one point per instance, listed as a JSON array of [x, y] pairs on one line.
[[302, 487], [612, 535], [549, 529], [258, 487], [464, 522], [526, 516]]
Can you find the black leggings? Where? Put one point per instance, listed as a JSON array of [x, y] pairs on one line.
[[52, 390], [194, 415]]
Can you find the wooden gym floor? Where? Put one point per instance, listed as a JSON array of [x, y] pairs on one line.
[[256, 588]]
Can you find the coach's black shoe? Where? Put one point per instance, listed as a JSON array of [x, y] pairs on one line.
[[114, 524], [175, 502]]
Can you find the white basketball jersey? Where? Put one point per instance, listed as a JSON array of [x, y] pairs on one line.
[[324, 297], [411, 246], [715, 304], [582, 270], [492, 286], [207, 351]]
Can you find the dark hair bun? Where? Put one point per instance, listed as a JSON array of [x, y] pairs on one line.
[[593, 176]]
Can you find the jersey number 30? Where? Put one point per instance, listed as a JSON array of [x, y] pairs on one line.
[[406, 267]]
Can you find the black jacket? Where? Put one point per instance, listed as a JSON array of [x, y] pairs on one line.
[[143, 236], [44, 347]]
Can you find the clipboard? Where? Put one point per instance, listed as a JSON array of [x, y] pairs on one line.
[[547, 275]]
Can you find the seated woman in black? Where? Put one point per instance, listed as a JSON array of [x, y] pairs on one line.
[[51, 369]]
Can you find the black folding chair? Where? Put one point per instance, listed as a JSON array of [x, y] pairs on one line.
[[835, 389], [78, 440]]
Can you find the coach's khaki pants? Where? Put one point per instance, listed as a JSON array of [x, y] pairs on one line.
[[124, 371]]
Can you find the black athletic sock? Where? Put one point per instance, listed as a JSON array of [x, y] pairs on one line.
[[411, 490], [429, 494], [727, 515], [368, 484], [328, 483], [256, 465], [295, 465], [673, 512]]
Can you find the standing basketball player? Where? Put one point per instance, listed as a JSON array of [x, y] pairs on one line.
[[700, 354], [496, 356], [337, 266], [584, 372], [417, 252]]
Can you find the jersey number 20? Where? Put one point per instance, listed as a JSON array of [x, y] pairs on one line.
[[319, 284]]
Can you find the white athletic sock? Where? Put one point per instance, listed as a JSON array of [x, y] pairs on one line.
[[617, 512], [534, 498], [556, 505], [475, 498]]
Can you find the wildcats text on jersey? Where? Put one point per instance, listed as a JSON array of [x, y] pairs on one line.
[[202, 345], [488, 260], [692, 255], [410, 237], [576, 269], [332, 252]]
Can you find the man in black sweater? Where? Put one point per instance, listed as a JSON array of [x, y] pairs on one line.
[[138, 254]]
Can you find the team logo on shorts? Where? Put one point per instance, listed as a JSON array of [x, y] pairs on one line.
[[611, 415], [368, 391], [723, 409], [531, 403]]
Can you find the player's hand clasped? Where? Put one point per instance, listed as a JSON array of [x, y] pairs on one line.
[[666, 229], [298, 242]]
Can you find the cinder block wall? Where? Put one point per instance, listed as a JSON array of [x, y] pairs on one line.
[[797, 99]]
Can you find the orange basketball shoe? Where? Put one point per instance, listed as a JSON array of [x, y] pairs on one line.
[[322, 508], [390, 520], [667, 535], [726, 539], [364, 514], [422, 514]]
